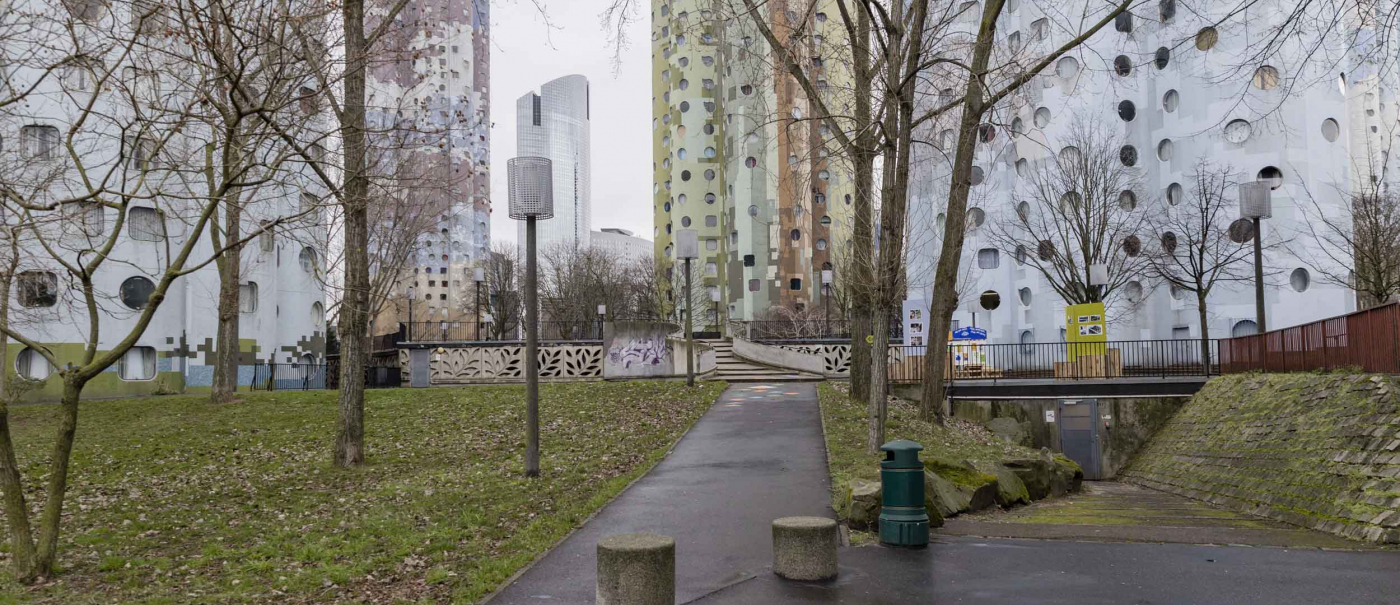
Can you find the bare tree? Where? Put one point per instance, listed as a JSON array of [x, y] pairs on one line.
[[1198, 245], [1358, 243], [503, 271], [126, 117], [1079, 211]]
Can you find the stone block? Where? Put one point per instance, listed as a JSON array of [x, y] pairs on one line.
[[804, 548], [863, 504], [636, 569]]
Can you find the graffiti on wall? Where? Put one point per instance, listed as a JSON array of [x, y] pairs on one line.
[[649, 351]]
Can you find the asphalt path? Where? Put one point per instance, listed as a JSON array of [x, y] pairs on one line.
[[756, 455]]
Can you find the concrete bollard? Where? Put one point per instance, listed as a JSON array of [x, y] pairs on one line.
[[636, 569], [804, 548]]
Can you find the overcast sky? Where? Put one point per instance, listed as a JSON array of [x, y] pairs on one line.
[[525, 53]]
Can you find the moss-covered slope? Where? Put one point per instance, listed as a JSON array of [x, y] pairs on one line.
[[1315, 450]]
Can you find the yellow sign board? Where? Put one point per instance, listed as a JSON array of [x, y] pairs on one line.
[[1086, 328]]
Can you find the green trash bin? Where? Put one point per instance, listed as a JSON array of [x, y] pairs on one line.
[[903, 518]]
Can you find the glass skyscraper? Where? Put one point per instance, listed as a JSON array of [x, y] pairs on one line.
[[554, 124]]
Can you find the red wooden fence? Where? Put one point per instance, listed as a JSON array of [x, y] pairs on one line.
[[1368, 340]]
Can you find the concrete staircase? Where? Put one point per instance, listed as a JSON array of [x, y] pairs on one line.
[[734, 369]]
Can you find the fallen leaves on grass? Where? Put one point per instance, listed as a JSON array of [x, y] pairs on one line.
[[173, 500]]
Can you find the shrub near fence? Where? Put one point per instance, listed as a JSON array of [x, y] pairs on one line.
[[1367, 340]]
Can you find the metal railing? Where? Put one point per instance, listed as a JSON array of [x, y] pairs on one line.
[[467, 331], [1367, 340], [788, 330], [1062, 361], [289, 377]]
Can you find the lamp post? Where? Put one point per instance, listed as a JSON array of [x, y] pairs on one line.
[[602, 315], [531, 198], [714, 298], [688, 247], [478, 276], [827, 275], [1256, 202], [410, 313]]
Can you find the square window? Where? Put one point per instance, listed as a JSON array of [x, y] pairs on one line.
[[144, 224], [795, 283], [753, 285], [748, 260], [138, 363]]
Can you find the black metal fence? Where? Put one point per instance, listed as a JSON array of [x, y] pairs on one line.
[[1062, 361], [312, 377]]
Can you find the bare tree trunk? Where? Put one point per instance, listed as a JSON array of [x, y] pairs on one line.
[[47, 553], [16, 510], [863, 164], [226, 346], [1205, 331], [879, 380], [354, 311]]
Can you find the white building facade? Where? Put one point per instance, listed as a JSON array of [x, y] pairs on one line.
[[1167, 84], [622, 244], [554, 124]]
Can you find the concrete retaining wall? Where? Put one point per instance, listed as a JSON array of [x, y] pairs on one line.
[[1129, 423], [780, 357], [1315, 450]]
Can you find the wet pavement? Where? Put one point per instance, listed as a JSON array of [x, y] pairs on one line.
[[755, 456], [957, 569]]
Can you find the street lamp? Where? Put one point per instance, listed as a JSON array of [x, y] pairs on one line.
[[1256, 202], [1098, 276], [478, 276], [602, 314], [531, 182], [688, 247], [827, 275]]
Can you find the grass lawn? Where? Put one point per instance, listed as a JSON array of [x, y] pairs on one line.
[[173, 500], [945, 447]]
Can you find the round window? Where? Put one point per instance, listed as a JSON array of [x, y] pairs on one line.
[[990, 300], [1162, 57], [318, 314], [136, 292], [1300, 280], [1237, 131], [1127, 200], [1171, 100], [1206, 38], [1122, 65], [1132, 246], [1168, 242], [1330, 130], [1242, 231], [1127, 111], [307, 259]]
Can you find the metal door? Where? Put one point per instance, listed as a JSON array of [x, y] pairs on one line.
[[1079, 437], [418, 367]]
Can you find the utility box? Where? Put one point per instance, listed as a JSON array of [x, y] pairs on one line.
[[903, 517]]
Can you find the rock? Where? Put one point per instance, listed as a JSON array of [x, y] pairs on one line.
[[1011, 431], [949, 498], [1010, 490], [863, 504], [1047, 475], [941, 495]]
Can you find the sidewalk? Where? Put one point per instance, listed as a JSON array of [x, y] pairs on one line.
[[756, 455]]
